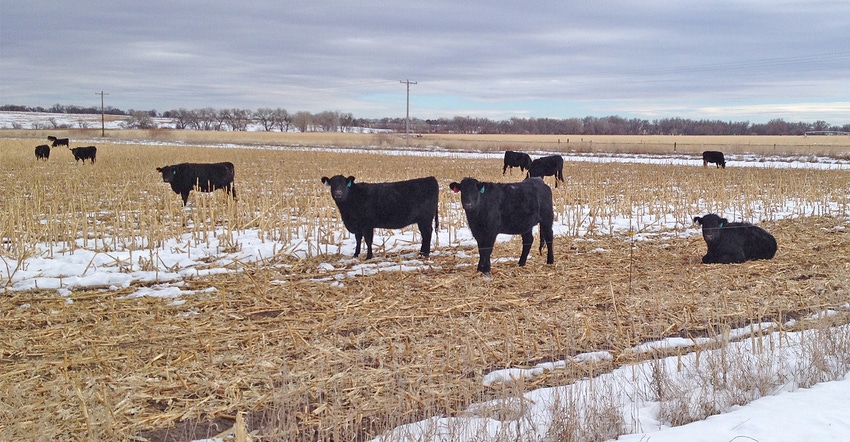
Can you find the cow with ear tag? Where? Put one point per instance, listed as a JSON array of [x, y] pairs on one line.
[[394, 205], [514, 209], [734, 242]]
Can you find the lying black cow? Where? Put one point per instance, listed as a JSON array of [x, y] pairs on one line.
[[42, 152], [58, 141], [366, 206], [734, 242], [85, 153], [513, 209], [552, 165], [713, 156], [205, 177], [516, 159]]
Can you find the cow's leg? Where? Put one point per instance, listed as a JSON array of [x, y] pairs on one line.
[[704, 163], [527, 240], [368, 234], [547, 237], [737, 256], [185, 195], [485, 249], [357, 237], [425, 231], [504, 168]]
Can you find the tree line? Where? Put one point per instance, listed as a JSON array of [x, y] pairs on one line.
[[279, 119]]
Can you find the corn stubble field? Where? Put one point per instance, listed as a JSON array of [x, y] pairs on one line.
[[289, 356]]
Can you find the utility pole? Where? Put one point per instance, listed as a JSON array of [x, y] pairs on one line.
[[102, 119], [407, 118]]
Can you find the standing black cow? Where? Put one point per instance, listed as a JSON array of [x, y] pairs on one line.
[[513, 209], [552, 165], [713, 156], [85, 153], [734, 242], [516, 159], [58, 141], [42, 152], [205, 177], [366, 206]]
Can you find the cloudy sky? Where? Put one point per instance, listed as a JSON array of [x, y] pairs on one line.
[[731, 60]]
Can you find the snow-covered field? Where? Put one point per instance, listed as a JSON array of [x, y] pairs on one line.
[[786, 413]]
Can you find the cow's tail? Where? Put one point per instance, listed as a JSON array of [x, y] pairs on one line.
[[437, 220]]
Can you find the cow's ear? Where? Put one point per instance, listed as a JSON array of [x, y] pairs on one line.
[[326, 181], [723, 221], [698, 220], [159, 169], [349, 181], [455, 187]]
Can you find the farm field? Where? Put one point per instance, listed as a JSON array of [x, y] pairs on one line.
[[126, 315]]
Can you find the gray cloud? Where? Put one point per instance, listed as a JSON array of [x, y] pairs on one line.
[[752, 60]]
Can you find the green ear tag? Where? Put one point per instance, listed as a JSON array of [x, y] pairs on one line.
[[721, 224], [482, 189], [349, 184]]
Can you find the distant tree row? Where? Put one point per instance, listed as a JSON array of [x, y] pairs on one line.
[[280, 119]]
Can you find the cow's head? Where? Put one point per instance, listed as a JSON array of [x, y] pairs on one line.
[[471, 192], [340, 186], [168, 173], [711, 225]]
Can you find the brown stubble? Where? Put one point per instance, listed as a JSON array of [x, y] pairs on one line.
[[316, 360]]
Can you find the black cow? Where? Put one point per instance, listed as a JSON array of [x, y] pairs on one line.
[[713, 156], [513, 209], [734, 242], [552, 165], [42, 152], [516, 159], [58, 141], [85, 153], [205, 177], [366, 206]]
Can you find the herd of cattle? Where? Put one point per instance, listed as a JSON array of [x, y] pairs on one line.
[[510, 208], [42, 151], [491, 208]]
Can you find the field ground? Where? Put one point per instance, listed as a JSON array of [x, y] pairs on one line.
[[765, 145], [311, 357]]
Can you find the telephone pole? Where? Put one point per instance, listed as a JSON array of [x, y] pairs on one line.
[[407, 118], [102, 119]]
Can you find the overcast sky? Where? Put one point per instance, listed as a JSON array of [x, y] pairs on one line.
[[729, 60]]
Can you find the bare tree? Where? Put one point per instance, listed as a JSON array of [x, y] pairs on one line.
[[240, 119], [205, 119], [182, 118], [346, 120], [265, 116], [328, 121], [282, 119], [139, 120], [222, 119], [302, 120]]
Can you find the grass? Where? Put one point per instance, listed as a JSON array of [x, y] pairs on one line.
[[308, 360]]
